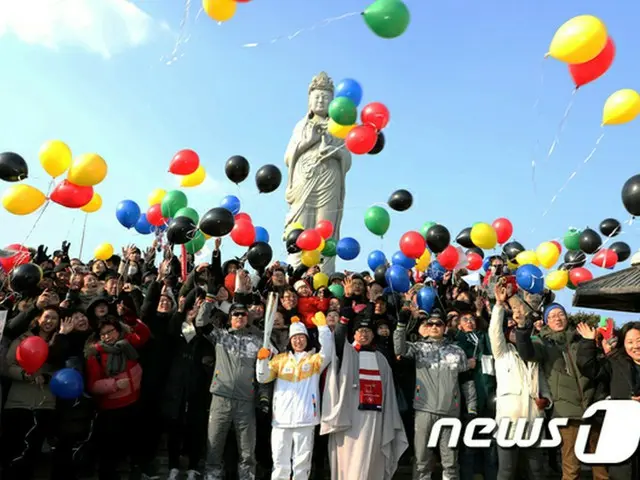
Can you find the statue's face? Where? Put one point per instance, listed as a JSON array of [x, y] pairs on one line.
[[319, 102]]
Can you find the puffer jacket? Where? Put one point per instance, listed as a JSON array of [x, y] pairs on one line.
[[484, 379]]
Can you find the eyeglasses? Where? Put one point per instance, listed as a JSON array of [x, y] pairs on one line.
[[435, 324], [107, 333], [239, 314]]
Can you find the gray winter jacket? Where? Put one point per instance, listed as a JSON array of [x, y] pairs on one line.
[[234, 375], [439, 365]]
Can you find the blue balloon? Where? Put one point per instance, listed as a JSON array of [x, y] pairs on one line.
[[351, 89], [231, 203], [348, 248], [486, 263], [261, 235], [67, 384], [376, 258], [436, 271], [401, 259], [143, 226], [398, 278], [530, 278], [427, 298], [128, 213]]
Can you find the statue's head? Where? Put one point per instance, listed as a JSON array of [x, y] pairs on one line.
[[320, 94]]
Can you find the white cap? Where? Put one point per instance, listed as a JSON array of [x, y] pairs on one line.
[[297, 328]]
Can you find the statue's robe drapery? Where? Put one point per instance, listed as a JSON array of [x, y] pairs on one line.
[[363, 444], [315, 185]]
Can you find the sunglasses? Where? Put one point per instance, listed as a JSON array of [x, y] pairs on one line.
[[238, 314], [435, 324]]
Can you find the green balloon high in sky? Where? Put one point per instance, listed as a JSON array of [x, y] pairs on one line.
[[387, 18]]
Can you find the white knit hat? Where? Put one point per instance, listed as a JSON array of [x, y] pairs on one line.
[[297, 328], [299, 284]]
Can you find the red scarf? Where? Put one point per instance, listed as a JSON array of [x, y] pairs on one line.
[[370, 381]]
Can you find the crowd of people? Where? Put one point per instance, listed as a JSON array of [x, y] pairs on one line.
[[347, 385]]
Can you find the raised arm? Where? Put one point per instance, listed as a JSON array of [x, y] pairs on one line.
[[325, 338], [496, 332], [400, 344]]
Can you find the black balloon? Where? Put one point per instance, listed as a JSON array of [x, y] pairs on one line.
[[268, 178], [259, 255], [400, 200], [477, 250], [631, 195], [379, 275], [590, 241], [512, 249], [438, 238], [464, 238], [622, 250], [181, 230], [379, 146], [574, 259], [13, 168], [217, 222], [292, 240], [610, 227], [237, 168], [26, 277]]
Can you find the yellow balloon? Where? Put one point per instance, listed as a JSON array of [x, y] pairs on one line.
[[423, 262], [322, 245], [219, 10], [484, 236], [194, 179], [528, 257], [512, 266], [87, 170], [156, 196], [104, 251], [320, 280], [206, 237], [339, 131], [579, 40], [310, 258], [292, 227], [557, 280], [94, 205], [22, 199], [55, 157], [621, 107], [547, 254]]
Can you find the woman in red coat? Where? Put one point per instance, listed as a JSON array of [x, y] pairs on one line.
[[113, 378]]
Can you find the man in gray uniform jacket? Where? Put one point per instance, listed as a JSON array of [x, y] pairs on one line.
[[439, 364]]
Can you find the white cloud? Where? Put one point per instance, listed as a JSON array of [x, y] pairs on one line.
[[103, 27]]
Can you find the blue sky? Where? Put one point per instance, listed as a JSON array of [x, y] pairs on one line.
[[460, 85]]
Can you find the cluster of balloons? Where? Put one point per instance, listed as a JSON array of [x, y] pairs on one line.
[[76, 191], [387, 18], [221, 10], [268, 177], [343, 114], [315, 243], [187, 163]]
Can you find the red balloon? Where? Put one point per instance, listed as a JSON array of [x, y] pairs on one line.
[[71, 196], [583, 73], [412, 244], [32, 353], [154, 215], [308, 240], [243, 233], [325, 228], [361, 139], [243, 216], [376, 114], [605, 258], [449, 257], [474, 261], [185, 162], [503, 228], [20, 257], [579, 275], [558, 246]]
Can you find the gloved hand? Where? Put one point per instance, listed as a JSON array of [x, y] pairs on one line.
[[263, 405], [264, 353], [542, 403], [65, 248], [320, 320]]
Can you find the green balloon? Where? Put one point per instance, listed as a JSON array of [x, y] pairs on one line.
[[194, 245], [425, 228], [189, 213], [572, 239], [570, 285], [387, 18], [172, 202], [343, 111], [377, 220], [337, 290], [329, 249]]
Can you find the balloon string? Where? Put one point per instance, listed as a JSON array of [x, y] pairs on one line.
[[537, 115], [291, 36], [563, 122], [35, 224], [84, 229], [182, 36]]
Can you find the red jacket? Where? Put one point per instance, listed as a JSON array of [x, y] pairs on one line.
[[309, 306], [104, 388]]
